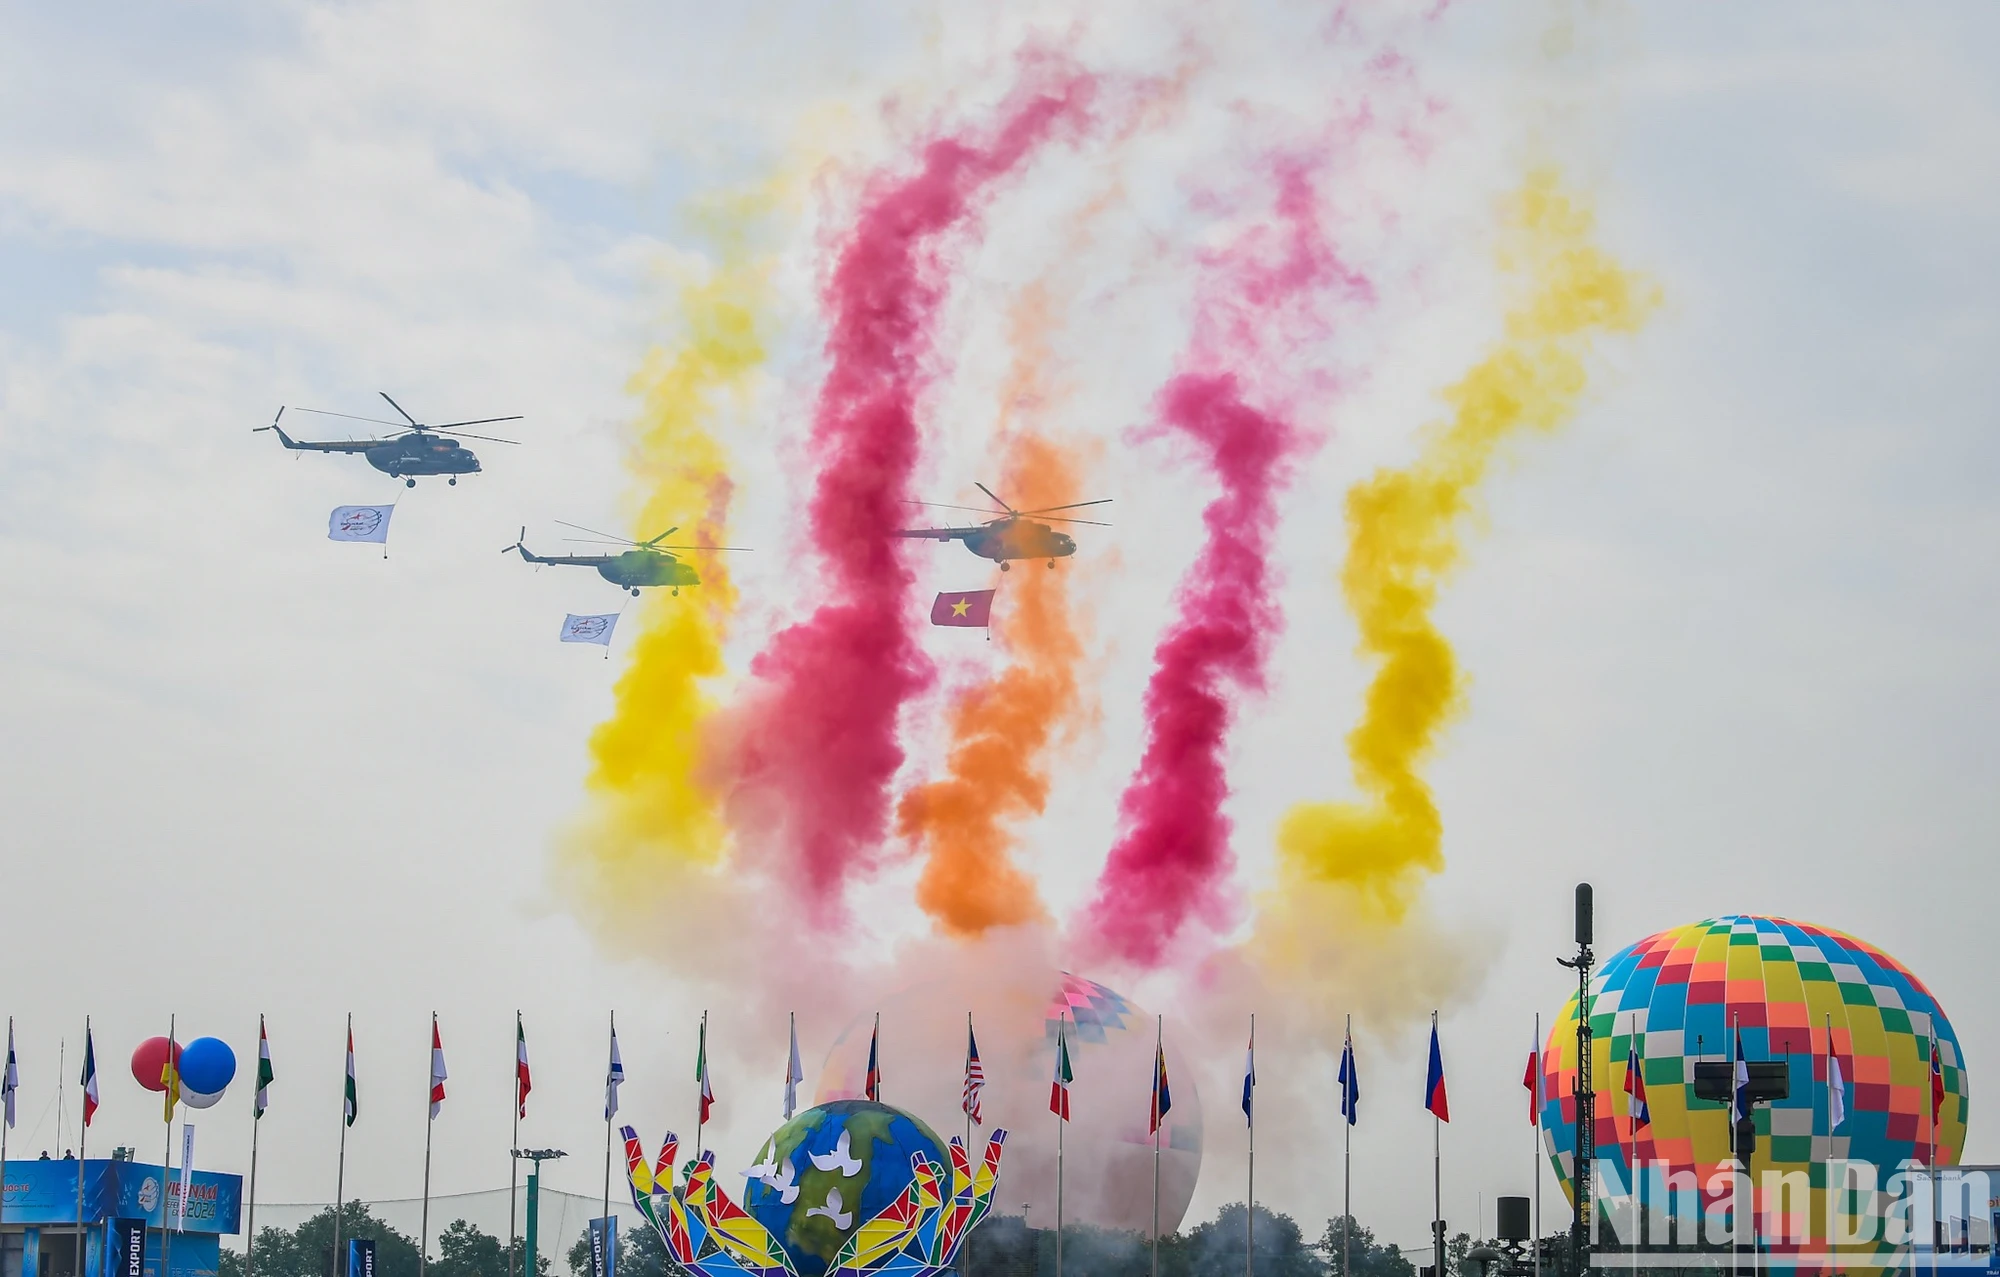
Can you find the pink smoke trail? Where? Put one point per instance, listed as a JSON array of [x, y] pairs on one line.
[[812, 747], [1171, 863]]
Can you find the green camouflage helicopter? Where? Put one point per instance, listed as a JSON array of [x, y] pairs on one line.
[[646, 563], [1014, 534]]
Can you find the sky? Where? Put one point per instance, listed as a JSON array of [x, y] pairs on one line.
[[1727, 632]]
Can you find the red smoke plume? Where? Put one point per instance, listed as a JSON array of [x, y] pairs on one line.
[[813, 744]]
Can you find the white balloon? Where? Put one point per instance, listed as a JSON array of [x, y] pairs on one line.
[[196, 1100]]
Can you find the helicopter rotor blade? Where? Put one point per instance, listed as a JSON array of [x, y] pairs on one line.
[[663, 536], [939, 505], [593, 541], [467, 434], [996, 500], [740, 548], [483, 421], [351, 417], [399, 408], [1059, 519], [594, 532], [1074, 505]]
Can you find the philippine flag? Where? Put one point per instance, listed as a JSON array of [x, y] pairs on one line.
[[1434, 1098], [1635, 1087]]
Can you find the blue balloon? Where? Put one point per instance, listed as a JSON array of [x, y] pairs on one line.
[[207, 1066]]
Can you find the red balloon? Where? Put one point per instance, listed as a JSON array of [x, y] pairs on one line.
[[149, 1062]]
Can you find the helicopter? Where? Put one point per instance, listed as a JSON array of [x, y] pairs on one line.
[[1015, 534], [418, 450], [645, 563]]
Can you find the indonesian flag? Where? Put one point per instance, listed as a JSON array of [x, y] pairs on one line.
[[264, 1074], [1532, 1079], [350, 1097], [89, 1075], [523, 1081], [438, 1074], [1059, 1089], [975, 1077], [701, 1073]]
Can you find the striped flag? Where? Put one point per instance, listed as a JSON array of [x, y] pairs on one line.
[[1250, 1076], [10, 1076], [1350, 1083], [1434, 1097], [1163, 1097], [1635, 1088], [438, 1073], [795, 1072], [524, 1081], [89, 1075], [614, 1074], [1059, 1089], [264, 1074], [873, 1086], [350, 1101], [975, 1076], [1937, 1089], [1532, 1079], [701, 1073]]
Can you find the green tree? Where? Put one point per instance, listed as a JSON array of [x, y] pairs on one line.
[[1216, 1248], [307, 1251], [1370, 1257], [641, 1253]]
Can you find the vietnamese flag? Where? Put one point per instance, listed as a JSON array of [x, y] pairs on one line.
[[963, 607]]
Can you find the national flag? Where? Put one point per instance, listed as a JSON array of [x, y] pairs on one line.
[[264, 1074], [524, 1081], [872, 1087], [438, 1073], [1163, 1097], [1532, 1079], [1836, 1093], [1739, 1104], [795, 1072], [614, 1073], [350, 1101], [170, 1074], [1635, 1088], [701, 1073], [1937, 1086], [975, 1077], [1434, 1097], [589, 629], [1250, 1078], [10, 1077], [963, 608], [89, 1075], [359, 523], [1350, 1083], [1059, 1089]]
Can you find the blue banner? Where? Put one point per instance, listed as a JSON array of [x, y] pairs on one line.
[[360, 1257], [604, 1247], [45, 1193], [128, 1249]]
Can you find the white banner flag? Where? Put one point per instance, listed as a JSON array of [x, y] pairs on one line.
[[359, 523], [589, 629], [187, 1174]]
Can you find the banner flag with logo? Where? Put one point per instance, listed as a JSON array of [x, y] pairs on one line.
[[128, 1240], [589, 629], [187, 1174], [360, 1257], [604, 1247], [359, 523]]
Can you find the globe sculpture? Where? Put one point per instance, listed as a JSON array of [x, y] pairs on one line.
[[1686, 994], [851, 1189]]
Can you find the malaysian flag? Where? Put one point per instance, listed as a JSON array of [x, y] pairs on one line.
[[975, 1075]]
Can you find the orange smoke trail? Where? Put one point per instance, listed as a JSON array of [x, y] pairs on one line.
[[1002, 728]]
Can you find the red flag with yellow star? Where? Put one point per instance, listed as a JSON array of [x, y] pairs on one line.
[[963, 607]]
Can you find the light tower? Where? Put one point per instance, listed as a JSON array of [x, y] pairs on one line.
[[1586, 1098]]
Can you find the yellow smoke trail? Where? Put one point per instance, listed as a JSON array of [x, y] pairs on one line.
[[1403, 542], [652, 815]]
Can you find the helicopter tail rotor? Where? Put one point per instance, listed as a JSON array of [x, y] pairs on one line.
[[520, 542]]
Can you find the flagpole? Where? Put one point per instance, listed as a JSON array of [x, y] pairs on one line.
[[877, 1060], [1347, 1088], [1062, 1028], [1437, 1175], [83, 1139], [612, 1037], [513, 1162], [166, 1162], [340, 1166], [256, 1126], [964, 1247], [1831, 1196], [430, 1124], [6, 1106], [1250, 1187], [1934, 1077], [1536, 1147], [1159, 1050], [1632, 1120], [701, 1080]]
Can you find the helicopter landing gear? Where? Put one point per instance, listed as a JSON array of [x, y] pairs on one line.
[[453, 481], [677, 591], [409, 483], [635, 591], [1052, 565], [1006, 567]]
